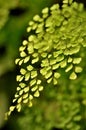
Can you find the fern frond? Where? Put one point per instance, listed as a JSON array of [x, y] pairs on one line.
[[55, 46]]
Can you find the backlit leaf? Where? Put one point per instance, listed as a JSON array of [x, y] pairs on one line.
[[36, 94], [78, 69], [73, 76], [27, 76]]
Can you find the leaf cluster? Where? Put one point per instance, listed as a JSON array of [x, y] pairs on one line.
[[54, 55]]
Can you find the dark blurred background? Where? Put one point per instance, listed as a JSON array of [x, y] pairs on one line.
[[14, 18]]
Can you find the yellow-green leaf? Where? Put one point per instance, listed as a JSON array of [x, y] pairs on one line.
[[25, 42], [26, 89], [26, 59], [40, 88], [22, 85], [30, 97], [22, 71], [32, 82], [36, 94], [48, 75], [56, 66], [22, 54], [19, 78], [25, 95], [38, 81], [12, 108], [30, 104], [25, 100], [22, 48], [21, 61], [55, 81], [19, 100], [27, 76], [18, 107], [70, 59], [57, 75], [77, 60], [45, 10], [69, 68], [17, 60], [49, 80], [34, 88], [30, 49], [63, 63], [78, 69], [35, 60], [36, 18], [20, 92], [29, 67], [33, 74], [73, 76]]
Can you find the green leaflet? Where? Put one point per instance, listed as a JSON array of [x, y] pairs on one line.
[[19, 100], [25, 101], [36, 94], [25, 96], [20, 62], [26, 89], [49, 80], [48, 75], [26, 59], [30, 97], [33, 74], [63, 64], [70, 60], [60, 58], [78, 69], [73, 76], [43, 71], [45, 10], [44, 55], [27, 76], [35, 60], [19, 78], [30, 67], [69, 68], [40, 88], [34, 88], [25, 42], [22, 85], [30, 48], [22, 54], [18, 107], [22, 48], [36, 18], [17, 60], [23, 71], [52, 61], [38, 81], [32, 82], [57, 75], [30, 104], [56, 66], [77, 60], [55, 81]]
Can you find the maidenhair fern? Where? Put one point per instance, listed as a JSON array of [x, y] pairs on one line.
[[55, 54]]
